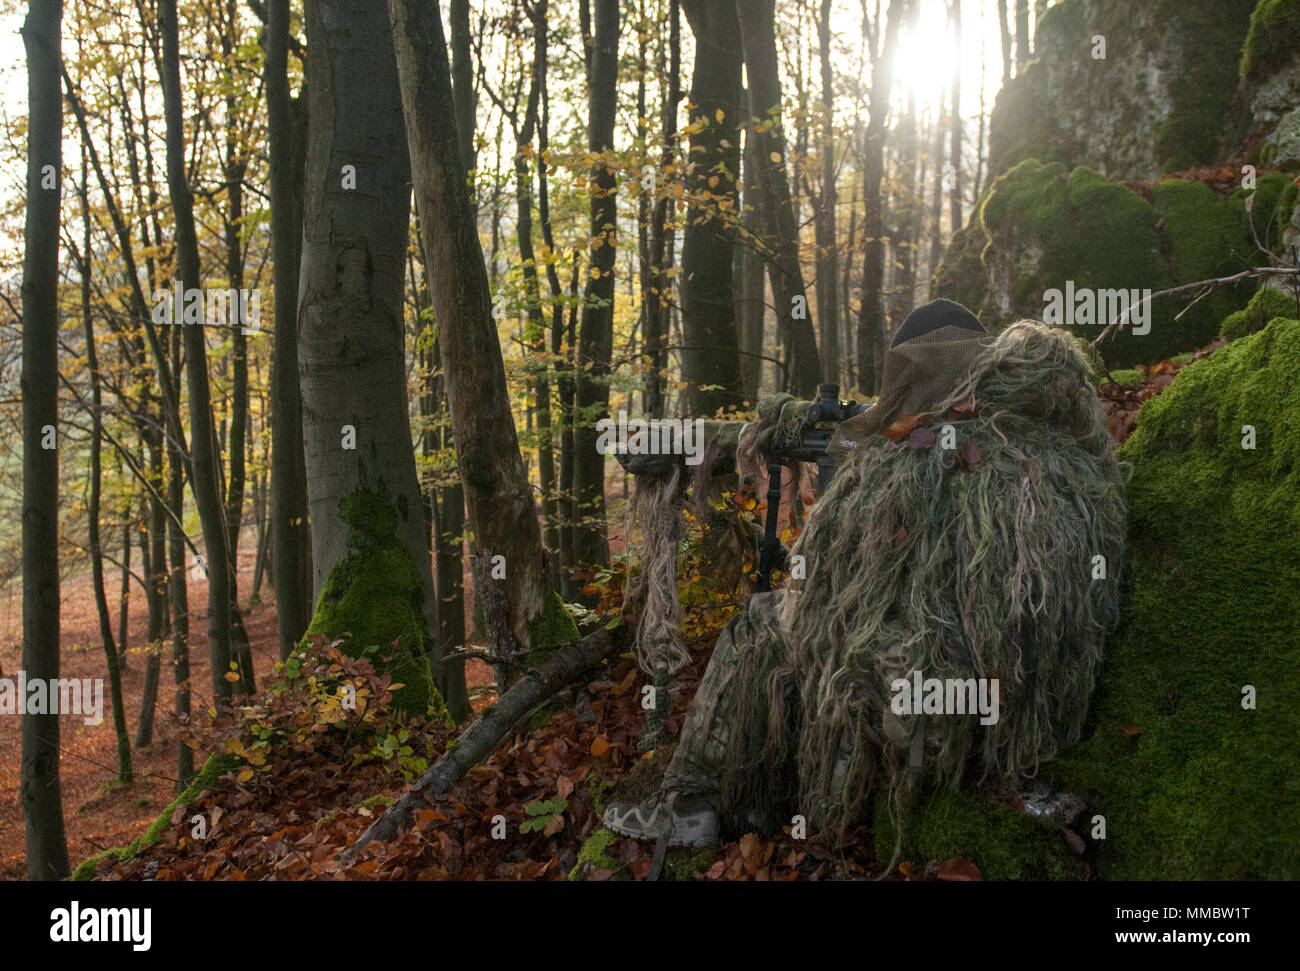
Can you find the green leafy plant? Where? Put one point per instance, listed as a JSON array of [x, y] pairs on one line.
[[546, 816]]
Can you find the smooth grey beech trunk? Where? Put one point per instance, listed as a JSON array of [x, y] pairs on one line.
[[356, 211]]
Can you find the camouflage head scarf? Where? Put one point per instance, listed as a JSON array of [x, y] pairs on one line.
[[928, 357]]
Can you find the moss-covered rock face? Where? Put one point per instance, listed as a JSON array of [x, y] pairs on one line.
[[372, 599], [1271, 41], [1192, 782], [1160, 101], [1005, 843], [960, 275], [1049, 231], [1266, 304]]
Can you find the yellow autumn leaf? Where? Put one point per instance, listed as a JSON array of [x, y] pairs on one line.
[[720, 115], [244, 775], [775, 157]]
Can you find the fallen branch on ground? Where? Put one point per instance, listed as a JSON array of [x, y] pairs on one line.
[[483, 737]]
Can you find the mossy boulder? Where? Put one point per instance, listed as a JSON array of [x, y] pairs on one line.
[[1048, 228], [372, 599], [1004, 842], [1050, 231], [960, 274], [1271, 40], [1266, 304], [1194, 784], [1193, 744]]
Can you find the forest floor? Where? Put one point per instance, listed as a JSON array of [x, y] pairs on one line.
[[293, 820]]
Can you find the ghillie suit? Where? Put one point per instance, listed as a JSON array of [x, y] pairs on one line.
[[977, 560]]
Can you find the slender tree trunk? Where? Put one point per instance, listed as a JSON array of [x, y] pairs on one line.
[[828, 253], [124, 772], [596, 332], [205, 473], [871, 312], [565, 386], [1005, 33], [908, 209], [776, 210], [290, 530], [711, 355], [956, 218], [46, 843], [1023, 41], [462, 83], [180, 599], [656, 321], [752, 309], [936, 196], [497, 490], [153, 547]]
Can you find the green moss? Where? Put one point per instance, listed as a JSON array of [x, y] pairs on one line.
[[552, 627], [1192, 785], [1127, 378], [1051, 228], [1203, 81], [1005, 843], [1046, 228], [213, 769], [685, 863], [1266, 304], [1206, 237], [593, 853], [372, 598], [1271, 40]]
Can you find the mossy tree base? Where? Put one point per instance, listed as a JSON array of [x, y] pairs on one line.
[[372, 598], [206, 778]]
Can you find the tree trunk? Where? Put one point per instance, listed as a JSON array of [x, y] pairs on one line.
[[1023, 41], [828, 254], [462, 83], [124, 573], [936, 196], [153, 547], [497, 491], [711, 355], [902, 241], [180, 598], [1005, 33], [290, 531], [871, 312], [596, 331], [205, 473], [752, 306], [92, 522], [351, 357], [655, 331], [776, 209], [956, 220], [46, 843]]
